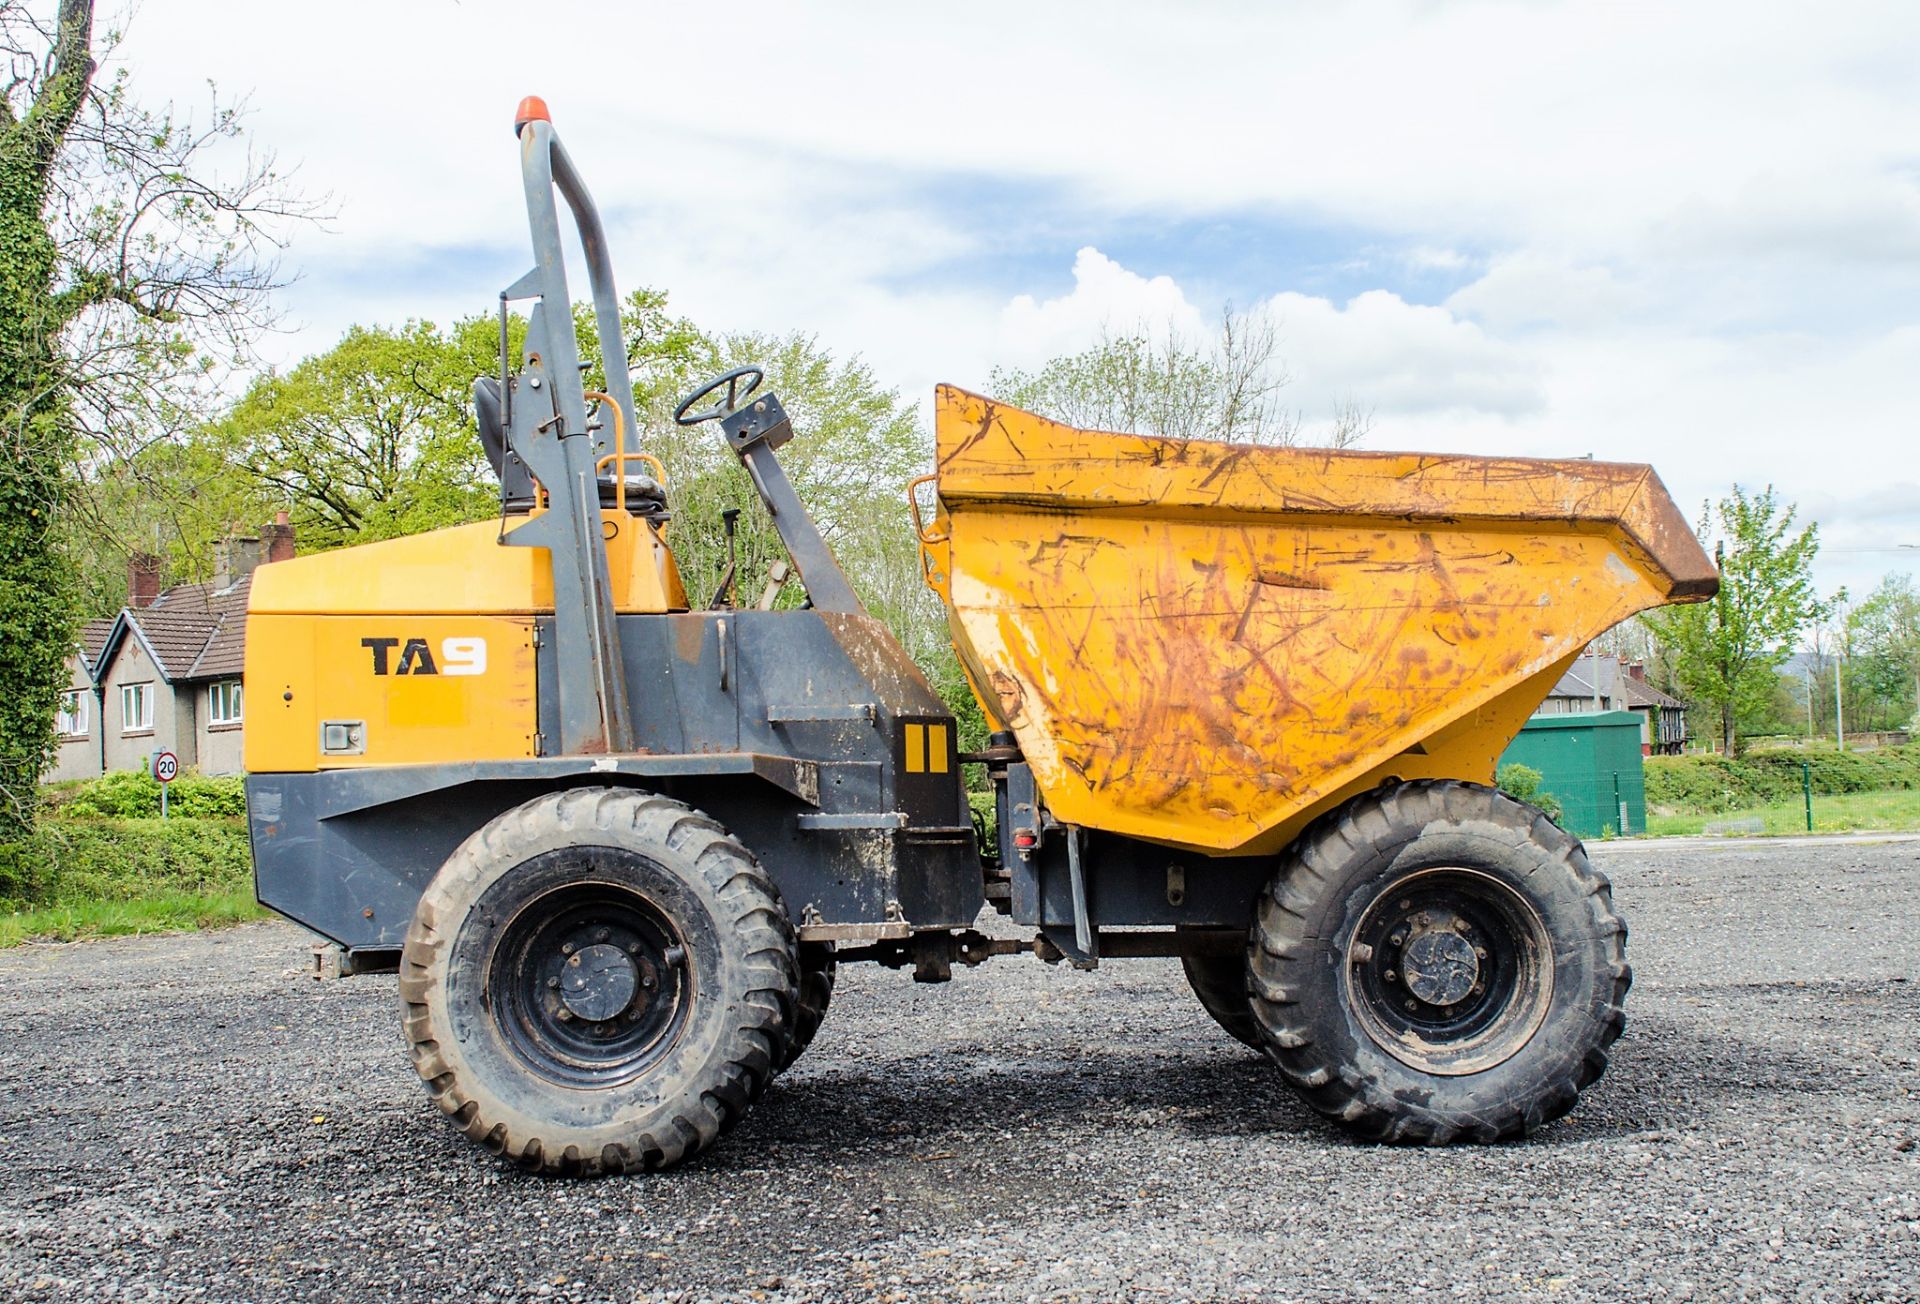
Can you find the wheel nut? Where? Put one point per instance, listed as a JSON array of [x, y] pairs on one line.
[[602, 935], [1391, 976], [566, 948], [1412, 1005], [1398, 939], [553, 982], [1479, 952]]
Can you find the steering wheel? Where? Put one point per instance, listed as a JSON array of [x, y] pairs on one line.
[[731, 379]]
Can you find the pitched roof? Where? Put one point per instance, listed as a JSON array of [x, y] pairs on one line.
[[1640, 693], [93, 637], [194, 631]]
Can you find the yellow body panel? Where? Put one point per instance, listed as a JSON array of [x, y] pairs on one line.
[[465, 603], [1206, 644], [304, 670], [465, 568]]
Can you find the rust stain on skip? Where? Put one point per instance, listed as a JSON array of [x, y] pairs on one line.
[[1205, 644]]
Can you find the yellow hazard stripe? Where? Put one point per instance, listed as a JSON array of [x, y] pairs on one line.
[[916, 749], [937, 748]]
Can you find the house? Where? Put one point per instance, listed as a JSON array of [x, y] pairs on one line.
[[165, 674], [1598, 682]]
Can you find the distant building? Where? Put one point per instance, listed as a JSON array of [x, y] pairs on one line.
[[1605, 683], [165, 673]]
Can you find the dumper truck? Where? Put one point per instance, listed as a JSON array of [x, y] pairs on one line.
[[1243, 706]]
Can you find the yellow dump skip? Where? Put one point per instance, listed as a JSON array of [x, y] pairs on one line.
[[1206, 644]]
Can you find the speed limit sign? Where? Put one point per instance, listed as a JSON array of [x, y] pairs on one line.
[[166, 767]]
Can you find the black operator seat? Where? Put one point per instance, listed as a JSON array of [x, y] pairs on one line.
[[645, 495]]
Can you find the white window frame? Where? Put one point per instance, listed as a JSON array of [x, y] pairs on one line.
[[72, 719], [225, 702], [142, 694]]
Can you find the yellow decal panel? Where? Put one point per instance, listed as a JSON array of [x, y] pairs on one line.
[[328, 692]]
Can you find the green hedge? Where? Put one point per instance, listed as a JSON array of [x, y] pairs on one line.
[[67, 861], [1711, 785], [133, 794]]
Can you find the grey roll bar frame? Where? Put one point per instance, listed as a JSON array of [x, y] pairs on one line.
[[546, 410]]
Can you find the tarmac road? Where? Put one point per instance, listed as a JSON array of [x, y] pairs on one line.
[[192, 1117]]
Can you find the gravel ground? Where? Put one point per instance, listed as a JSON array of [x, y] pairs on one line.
[[193, 1118]]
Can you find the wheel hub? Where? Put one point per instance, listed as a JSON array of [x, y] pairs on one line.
[[1440, 966], [599, 982]]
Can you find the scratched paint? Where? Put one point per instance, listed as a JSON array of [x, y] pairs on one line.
[[1204, 644]]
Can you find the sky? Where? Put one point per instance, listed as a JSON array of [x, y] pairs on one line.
[[1679, 234]]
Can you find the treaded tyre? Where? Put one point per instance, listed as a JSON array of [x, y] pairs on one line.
[[1220, 981], [598, 981], [817, 972], [1436, 961]]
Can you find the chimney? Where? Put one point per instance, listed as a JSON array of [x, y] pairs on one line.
[[143, 579], [234, 559], [278, 539], [1637, 670]]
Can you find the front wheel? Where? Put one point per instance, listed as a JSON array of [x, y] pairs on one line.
[[1437, 961], [599, 980]]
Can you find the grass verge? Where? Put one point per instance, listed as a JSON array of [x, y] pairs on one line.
[[166, 912], [78, 877], [1896, 811]]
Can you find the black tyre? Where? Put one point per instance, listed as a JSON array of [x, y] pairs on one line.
[[817, 973], [1220, 981], [600, 980], [1437, 961]]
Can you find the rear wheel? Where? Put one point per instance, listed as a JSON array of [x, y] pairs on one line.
[[817, 973], [1438, 961], [1220, 981], [597, 981]]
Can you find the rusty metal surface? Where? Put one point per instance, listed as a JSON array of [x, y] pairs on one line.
[[1204, 644]]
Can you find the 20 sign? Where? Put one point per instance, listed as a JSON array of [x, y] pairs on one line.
[[166, 767]]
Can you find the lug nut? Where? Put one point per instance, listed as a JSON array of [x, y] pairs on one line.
[[566, 948], [1398, 939], [602, 935], [1411, 1005], [1391, 976], [553, 982], [1479, 952]]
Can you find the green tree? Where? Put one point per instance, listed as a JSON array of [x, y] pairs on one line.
[[123, 260], [1882, 637], [1159, 383], [1726, 652], [369, 440]]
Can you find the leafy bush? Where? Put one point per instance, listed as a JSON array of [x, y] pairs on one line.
[[1522, 783], [134, 794], [86, 860], [1710, 785]]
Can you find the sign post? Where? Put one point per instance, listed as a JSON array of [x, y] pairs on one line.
[[166, 768]]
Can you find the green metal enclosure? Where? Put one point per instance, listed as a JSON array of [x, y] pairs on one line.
[[1592, 763]]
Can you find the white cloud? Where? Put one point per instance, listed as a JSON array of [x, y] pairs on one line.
[[1106, 297], [1535, 289], [1395, 357]]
